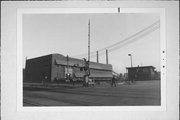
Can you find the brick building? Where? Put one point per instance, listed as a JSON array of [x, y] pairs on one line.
[[142, 73], [55, 67]]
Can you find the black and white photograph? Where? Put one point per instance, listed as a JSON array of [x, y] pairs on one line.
[[65, 60], [103, 59]]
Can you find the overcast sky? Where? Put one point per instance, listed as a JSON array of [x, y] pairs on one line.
[[68, 34]]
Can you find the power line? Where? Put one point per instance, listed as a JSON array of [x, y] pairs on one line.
[[129, 41], [126, 41], [134, 39], [134, 35]]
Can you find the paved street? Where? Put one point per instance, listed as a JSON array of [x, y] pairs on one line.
[[140, 93]]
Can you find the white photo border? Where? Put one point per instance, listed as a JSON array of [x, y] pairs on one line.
[[21, 11]]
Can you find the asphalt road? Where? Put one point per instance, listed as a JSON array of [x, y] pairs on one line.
[[144, 93]]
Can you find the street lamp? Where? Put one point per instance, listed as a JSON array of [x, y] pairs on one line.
[[130, 59]]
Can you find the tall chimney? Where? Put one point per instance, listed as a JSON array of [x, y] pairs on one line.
[[106, 56], [97, 56], [26, 62]]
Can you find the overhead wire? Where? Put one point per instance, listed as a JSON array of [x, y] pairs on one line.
[[124, 42]]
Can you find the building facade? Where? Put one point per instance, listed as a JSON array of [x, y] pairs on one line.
[[56, 67], [142, 73]]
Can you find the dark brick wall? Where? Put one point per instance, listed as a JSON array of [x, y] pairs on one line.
[[141, 73], [38, 68]]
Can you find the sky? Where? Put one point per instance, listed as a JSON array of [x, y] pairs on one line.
[[67, 34]]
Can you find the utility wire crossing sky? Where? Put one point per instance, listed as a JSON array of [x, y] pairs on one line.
[[124, 42], [122, 34]]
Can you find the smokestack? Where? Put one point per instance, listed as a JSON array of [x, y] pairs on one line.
[[26, 62], [97, 56], [106, 56]]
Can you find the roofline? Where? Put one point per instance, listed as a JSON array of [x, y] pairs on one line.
[[90, 61], [45, 56], [139, 67], [80, 59], [39, 57], [64, 56]]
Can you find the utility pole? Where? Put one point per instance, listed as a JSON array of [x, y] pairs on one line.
[[87, 70], [89, 41], [67, 67], [88, 62]]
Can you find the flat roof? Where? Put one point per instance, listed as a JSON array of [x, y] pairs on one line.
[[140, 67], [62, 60]]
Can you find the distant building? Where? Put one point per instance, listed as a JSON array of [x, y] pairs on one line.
[[157, 75], [142, 73], [55, 67]]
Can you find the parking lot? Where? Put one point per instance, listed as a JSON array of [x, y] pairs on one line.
[[141, 93]]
